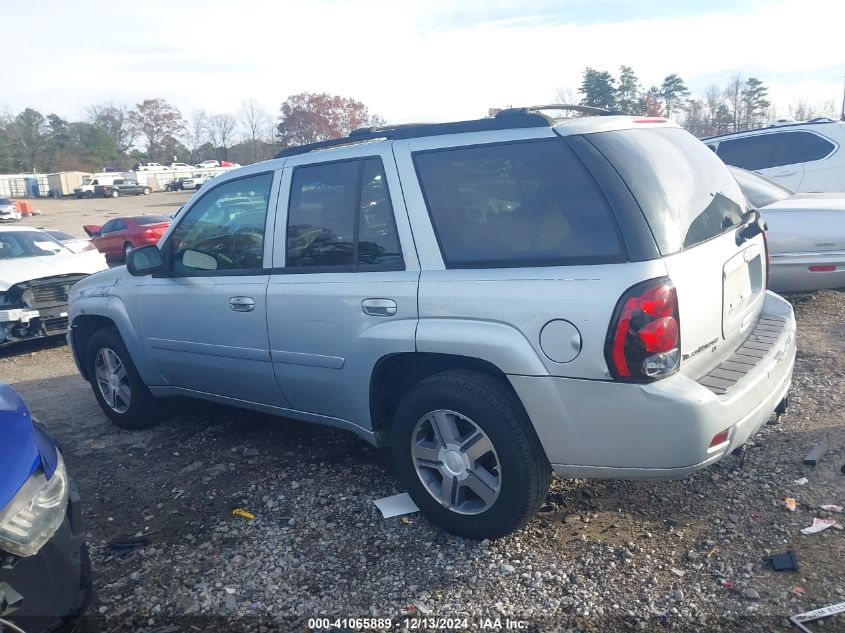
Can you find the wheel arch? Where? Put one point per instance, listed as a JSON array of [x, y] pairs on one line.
[[111, 313], [395, 375]]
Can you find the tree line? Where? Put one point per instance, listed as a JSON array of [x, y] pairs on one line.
[[116, 135], [742, 104]]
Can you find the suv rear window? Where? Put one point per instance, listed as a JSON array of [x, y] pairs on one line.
[[516, 204], [686, 193]]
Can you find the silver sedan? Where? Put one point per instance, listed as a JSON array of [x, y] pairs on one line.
[[806, 233]]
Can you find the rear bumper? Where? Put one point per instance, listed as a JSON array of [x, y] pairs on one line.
[[605, 429], [790, 272]]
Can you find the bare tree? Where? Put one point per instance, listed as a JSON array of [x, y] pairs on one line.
[[734, 94], [566, 95], [221, 132], [117, 120], [196, 133], [159, 123], [256, 121]]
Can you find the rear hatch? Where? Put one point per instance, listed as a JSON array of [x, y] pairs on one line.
[[695, 211]]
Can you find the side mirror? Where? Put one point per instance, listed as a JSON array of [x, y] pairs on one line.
[[143, 261]]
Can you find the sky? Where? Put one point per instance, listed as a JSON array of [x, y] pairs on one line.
[[407, 60]]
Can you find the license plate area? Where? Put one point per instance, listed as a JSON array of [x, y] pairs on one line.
[[742, 285]]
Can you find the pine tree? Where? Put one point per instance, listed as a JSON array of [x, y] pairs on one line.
[[673, 91], [754, 101], [628, 91], [598, 90]]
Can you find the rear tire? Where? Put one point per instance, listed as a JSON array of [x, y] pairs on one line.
[[487, 474], [118, 388], [146, 191], [115, 193]]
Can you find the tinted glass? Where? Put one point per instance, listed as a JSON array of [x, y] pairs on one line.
[[760, 191], [226, 223], [151, 219], [686, 193], [801, 147], [321, 215], [774, 149], [118, 225], [378, 242], [516, 204], [5, 201], [108, 227], [752, 152]]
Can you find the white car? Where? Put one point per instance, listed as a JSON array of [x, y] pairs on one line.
[[806, 233], [208, 164], [150, 167], [8, 211], [196, 181], [180, 167], [36, 274], [803, 156]]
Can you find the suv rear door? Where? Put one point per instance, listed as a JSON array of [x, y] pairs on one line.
[[343, 293], [694, 208]]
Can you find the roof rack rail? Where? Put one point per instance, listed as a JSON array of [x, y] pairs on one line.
[[583, 109], [417, 130], [509, 118]]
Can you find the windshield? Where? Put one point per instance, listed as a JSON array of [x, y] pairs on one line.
[[686, 193], [760, 191], [4, 202], [18, 244]]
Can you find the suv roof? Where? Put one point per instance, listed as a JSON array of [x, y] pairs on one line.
[[510, 118]]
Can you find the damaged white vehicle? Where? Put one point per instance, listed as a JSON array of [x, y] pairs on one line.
[[36, 274]]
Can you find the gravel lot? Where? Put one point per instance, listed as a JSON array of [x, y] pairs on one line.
[[602, 556]]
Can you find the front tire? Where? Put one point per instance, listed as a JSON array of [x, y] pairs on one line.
[[146, 191], [117, 386], [115, 193], [468, 455]]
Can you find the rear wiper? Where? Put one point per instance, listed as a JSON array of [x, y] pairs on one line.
[[754, 225]]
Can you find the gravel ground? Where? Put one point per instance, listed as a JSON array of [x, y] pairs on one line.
[[602, 556]]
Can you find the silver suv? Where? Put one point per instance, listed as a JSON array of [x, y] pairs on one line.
[[495, 300]]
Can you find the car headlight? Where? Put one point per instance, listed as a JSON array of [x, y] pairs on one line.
[[36, 512]]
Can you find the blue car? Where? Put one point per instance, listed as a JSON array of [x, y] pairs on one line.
[[45, 573]]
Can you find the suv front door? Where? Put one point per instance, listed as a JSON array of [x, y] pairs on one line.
[[204, 318], [344, 289]]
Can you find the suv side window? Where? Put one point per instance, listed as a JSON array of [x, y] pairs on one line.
[[750, 152], [224, 230], [516, 204], [802, 147], [774, 149], [340, 216]]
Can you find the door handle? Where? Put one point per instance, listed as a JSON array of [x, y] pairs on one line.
[[379, 307], [242, 304]]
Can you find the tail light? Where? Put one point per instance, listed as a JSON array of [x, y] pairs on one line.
[[644, 339]]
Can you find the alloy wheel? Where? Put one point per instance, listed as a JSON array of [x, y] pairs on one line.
[[456, 462], [112, 380]]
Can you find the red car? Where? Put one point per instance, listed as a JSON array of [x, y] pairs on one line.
[[120, 235]]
